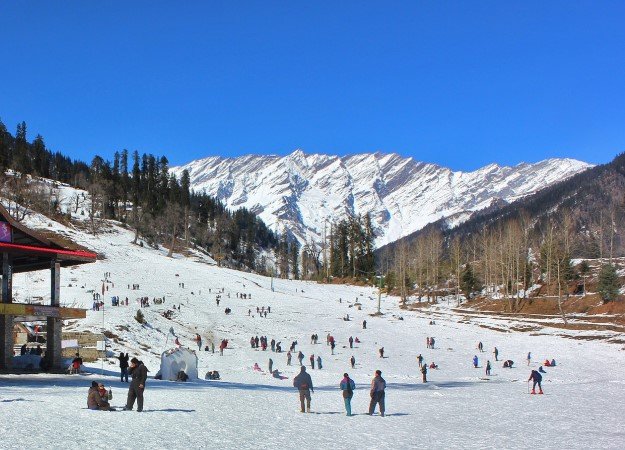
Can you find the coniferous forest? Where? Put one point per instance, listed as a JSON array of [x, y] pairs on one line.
[[139, 191]]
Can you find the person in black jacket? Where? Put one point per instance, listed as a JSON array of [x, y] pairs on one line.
[[304, 385], [123, 366], [139, 374], [537, 378]]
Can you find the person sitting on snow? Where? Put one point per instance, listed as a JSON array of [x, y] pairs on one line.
[[95, 401], [553, 363], [508, 364], [257, 367], [541, 370], [547, 363], [433, 365]]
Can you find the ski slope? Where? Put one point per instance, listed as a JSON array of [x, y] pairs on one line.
[[457, 408]]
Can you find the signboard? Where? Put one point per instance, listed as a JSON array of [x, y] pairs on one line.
[[21, 309], [69, 343], [5, 232]]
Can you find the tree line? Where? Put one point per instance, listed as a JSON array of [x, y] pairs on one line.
[[141, 192], [137, 190]]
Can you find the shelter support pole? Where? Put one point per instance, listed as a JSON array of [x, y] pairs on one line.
[[54, 325], [6, 321]]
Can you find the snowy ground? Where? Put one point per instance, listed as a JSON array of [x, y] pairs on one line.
[[457, 408]]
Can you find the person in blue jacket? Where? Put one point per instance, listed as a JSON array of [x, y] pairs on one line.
[[475, 361], [347, 386], [536, 378]]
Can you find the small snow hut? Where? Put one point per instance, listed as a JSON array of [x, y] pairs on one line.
[[177, 359]]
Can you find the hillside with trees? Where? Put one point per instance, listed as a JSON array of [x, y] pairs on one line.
[[534, 246]]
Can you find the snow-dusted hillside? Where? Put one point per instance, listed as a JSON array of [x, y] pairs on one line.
[[299, 192], [459, 407]]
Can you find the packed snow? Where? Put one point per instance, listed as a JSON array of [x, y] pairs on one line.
[[459, 406]]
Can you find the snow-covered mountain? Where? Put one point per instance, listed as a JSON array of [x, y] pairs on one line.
[[299, 192]]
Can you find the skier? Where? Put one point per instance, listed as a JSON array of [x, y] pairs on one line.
[[487, 368], [475, 361], [273, 345], [351, 342], [300, 357], [318, 362], [480, 346], [496, 353], [537, 378], [347, 386], [332, 345], [303, 383], [352, 360], [270, 365], [364, 324], [312, 362], [378, 385], [139, 374], [381, 351], [424, 372]]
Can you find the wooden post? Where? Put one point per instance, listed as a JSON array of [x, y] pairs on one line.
[[6, 321], [54, 324]]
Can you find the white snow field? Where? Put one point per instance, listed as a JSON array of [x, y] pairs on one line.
[[457, 408]]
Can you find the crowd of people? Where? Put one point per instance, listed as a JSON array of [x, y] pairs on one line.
[[99, 397]]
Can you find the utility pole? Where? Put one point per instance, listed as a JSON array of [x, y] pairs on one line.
[[325, 267], [380, 294]]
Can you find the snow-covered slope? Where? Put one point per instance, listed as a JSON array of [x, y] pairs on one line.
[[299, 192], [459, 407]]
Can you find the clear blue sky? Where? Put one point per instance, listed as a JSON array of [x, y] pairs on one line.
[[461, 84]]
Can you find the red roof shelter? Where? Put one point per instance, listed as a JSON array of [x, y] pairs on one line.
[[24, 250]]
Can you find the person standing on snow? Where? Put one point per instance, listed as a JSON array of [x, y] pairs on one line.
[[378, 385], [487, 367], [424, 372], [139, 374], [351, 342], [529, 358], [496, 353], [420, 359], [475, 361], [352, 360], [303, 383], [318, 362], [537, 378], [300, 357], [347, 386], [312, 362], [270, 365], [123, 366], [288, 358]]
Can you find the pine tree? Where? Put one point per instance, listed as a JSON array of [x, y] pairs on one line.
[[469, 282], [608, 283]]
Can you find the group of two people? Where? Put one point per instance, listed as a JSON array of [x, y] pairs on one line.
[[303, 383], [98, 397]]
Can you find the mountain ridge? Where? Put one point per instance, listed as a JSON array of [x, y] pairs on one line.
[[301, 192]]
